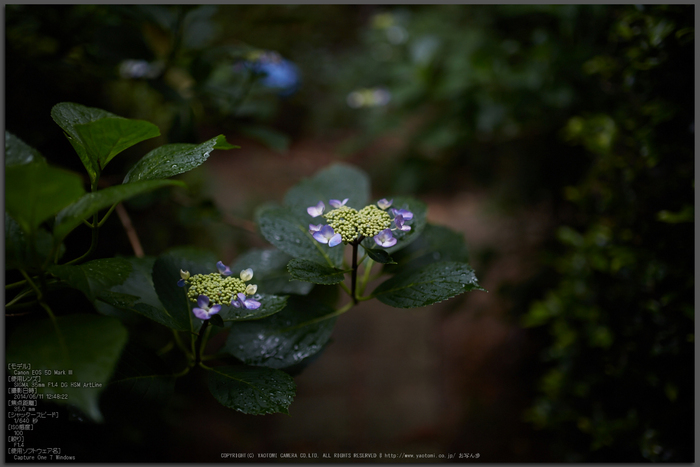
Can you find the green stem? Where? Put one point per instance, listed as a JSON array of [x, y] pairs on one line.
[[365, 276], [61, 340], [201, 341], [345, 288], [180, 344], [15, 284], [353, 277], [104, 218], [31, 284], [19, 296]]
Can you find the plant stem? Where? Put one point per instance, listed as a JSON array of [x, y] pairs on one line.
[[365, 277], [353, 283], [201, 341]]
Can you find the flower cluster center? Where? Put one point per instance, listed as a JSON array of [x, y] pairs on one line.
[[218, 288], [351, 224]]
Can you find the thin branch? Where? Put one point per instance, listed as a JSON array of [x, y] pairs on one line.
[[130, 231]]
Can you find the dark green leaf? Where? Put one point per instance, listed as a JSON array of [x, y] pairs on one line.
[[216, 320], [36, 192], [166, 273], [90, 203], [288, 233], [17, 152], [94, 277], [105, 138], [173, 159], [254, 391], [143, 374], [338, 181], [98, 135], [269, 305], [18, 248], [67, 115], [137, 294], [427, 285], [270, 268], [379, 256], [88, 345], [309, 271], [285, 338], [436, 243]]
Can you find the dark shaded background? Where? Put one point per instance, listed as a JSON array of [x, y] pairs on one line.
[[558, 139]]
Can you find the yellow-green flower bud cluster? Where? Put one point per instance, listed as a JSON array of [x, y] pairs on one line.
[[374, 220], [351, 224], [218, 288]]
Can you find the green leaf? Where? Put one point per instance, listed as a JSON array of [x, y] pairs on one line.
[[269, 305], [91, 203], [18, 246], [254, 391], [270, 268], [338, 181], [88, 345], [137, 294], [97, 135], [427, 285], [166, 273], [36, 192], [309, 271], [174, 159], [217, 320], [105, 138], [285, 338], [94, 277], [378, 255], [288, 233], [17, 152], [143, 374], [436, 243]]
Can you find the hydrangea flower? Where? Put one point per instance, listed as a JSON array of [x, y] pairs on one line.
[[385, 238], [327, 235], [240, 300], [384, 204], [223, 269], [348, 225], [184, 275], [203, 310], [336, 204], [218, 287], [407, 215], [315, 211], [399, 222]]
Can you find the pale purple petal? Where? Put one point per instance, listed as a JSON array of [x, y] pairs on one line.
[[314, 228], [399, 221], [223, 269], [315, 211], [407, 215], [385, 238], [251, 304], [203, 301], [235, 303], [200, 313], [325, 234], [384, 204], [336, 203], [335, 240], [214, 310], [181, 283]]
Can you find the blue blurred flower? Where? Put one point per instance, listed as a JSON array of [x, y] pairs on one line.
[[277, 72]]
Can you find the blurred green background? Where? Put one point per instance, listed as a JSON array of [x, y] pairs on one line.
[[558, 139]]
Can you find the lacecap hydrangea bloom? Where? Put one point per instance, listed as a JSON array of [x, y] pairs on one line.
[[210, 291], [348, 225]]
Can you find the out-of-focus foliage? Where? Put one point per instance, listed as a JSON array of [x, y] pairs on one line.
[[620, 380], [471, 94]]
